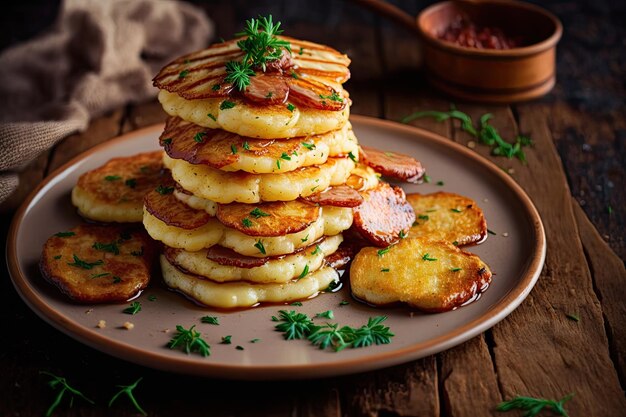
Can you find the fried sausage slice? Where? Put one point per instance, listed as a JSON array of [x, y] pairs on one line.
[[268, 219], [338, 196], [163, 204], [384, 216], [99, 264], [392, 164]]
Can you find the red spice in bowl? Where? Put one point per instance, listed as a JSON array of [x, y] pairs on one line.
[[463, 32]]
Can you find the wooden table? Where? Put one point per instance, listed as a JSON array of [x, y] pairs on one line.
[[575, 172]]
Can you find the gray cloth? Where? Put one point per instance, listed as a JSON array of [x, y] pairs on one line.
[[100, 55]]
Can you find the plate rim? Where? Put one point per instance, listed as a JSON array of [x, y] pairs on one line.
[[181, 364]]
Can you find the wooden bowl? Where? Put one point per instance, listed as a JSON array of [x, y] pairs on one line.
[[489, 75]]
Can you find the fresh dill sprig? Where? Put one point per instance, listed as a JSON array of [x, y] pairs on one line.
[[239, 73], [190, 340], [128, 390], [533, 406], [60, 382], [261, 44]]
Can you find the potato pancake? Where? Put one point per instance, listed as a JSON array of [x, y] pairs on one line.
[[114, 192], [99, 264], [432, 276], [269, 270], [244, 294], [227, 187], [448, 217]]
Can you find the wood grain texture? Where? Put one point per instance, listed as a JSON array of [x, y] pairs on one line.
[[609, 278]]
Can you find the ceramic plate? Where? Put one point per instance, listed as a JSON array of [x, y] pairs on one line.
[[515, 254]]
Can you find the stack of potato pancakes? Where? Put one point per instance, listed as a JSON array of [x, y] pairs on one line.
[[264, 171]]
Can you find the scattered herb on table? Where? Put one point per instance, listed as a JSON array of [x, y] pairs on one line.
[[128, 390], [328, 314], [296, 304], [210, 320], [533, 406], [238, 347], [190, 340], [152, 298], [226, 340], [294, 325], [60, 382]]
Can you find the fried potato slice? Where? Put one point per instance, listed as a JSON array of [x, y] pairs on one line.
[[332, 221], [279, 269], [163, 205], [392, 164], [245, 294], [230, 152], [449, 217], [227, 187], [114, 192], [384, 215], [268, 219], [99, 264], [432, 276], [265, 122]]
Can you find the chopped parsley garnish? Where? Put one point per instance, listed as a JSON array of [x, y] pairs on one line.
[[246, 222], [260, 247], [455, 269], [301, 51], [239, 73], [309, 146], [152, 298], [401, 235], [107, 247], [290, 107], [427, 257], [128, 390], [423, 216], [116, 279], [278, 163], [131, 182], [210, 116], [351, 156], [112, 178], [190, 340], [427, 179], [328, 314], [57, 257], [216, 87], [225, 105], [440, 183], [334, 97], [226, 340], [246, 146], [383, 251], [79, 263], [163, 190], [269, 95], [135, 307], [183, 74], [255, 340], [384, 269], [455, 243], [210, 320], [332, 286], [304, 272], [533, 406], [64, 234], [238, 347], [305, 238], [167, 141], [285, 156], [456, 210], [339, 338], [294, 325], [491, 232], [199, 137], [257, 212], [104, 274], [344, 303], [233, 149], [296, 304], [317, 250], [57, 382]]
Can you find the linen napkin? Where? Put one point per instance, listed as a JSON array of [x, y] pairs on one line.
[[99, 56]]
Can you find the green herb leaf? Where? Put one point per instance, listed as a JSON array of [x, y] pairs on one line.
[[135, 307], [163, 190], [60, 382], [152, 298], [440, 183], [257, 212], [128, 390], [107, 247], [79, 263], [210, 116], [290, 107], [183, 74], [305, 238], [533, 406], [64, 234], [309, 146], [423, 216], [199, 137], [344, 303], [383, 251], [216, 87], [261, 45], [112, 178], [455, 269], [456, 210], [226, 340], [233, 149], [167, 141], [296, 304], [255, 340], [131, 182], [328, 314], [210, 320], [285, 156], [427, 179], [104, 274], [239, 73], [238, 347], [246, 146], [351, 156], [384, 269], [304, 272], [260, 247], [294, 325], [574, 317], [317, 250], [427, 257], [225, 105], [333, 97], [246, 222], [190, 340]]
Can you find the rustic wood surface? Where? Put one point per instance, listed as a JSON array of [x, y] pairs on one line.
[[575, 172]]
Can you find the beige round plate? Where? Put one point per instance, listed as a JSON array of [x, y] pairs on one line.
[[516, 261]]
